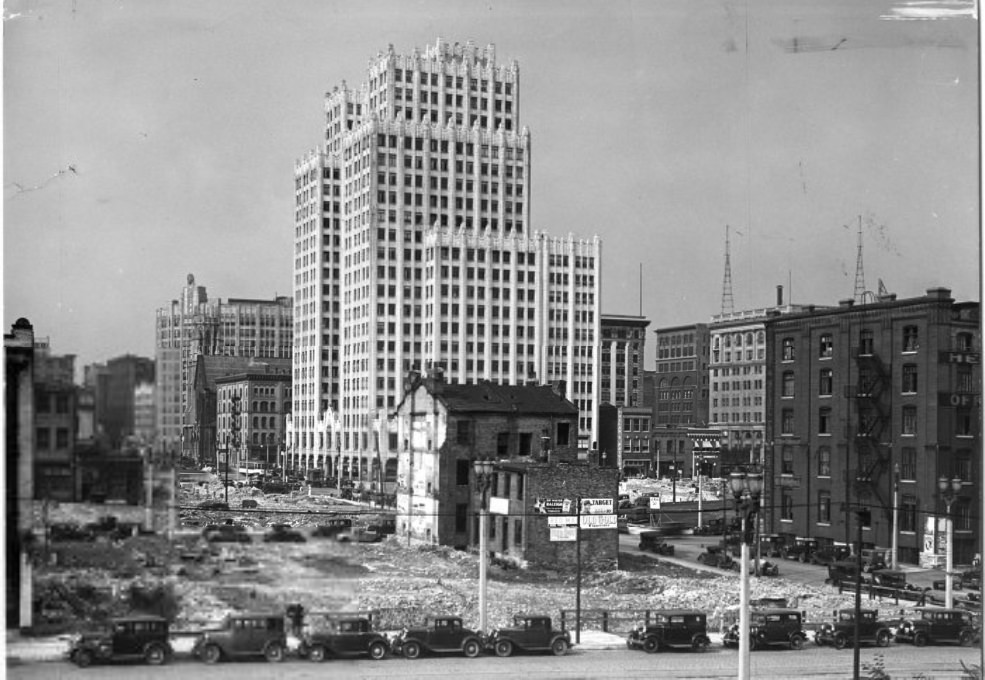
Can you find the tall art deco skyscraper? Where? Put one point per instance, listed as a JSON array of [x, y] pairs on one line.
[[414, 250]]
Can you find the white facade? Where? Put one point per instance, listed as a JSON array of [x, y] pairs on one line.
[[414, 249]]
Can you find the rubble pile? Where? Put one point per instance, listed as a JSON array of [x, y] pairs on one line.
[[686, 490]]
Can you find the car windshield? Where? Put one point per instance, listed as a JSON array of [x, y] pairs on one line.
[[846, 616]]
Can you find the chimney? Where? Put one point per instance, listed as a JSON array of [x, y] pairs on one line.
[[779, 296]]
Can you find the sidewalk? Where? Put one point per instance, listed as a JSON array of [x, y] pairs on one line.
[[26, 649]]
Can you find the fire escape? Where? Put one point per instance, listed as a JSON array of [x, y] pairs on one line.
[[871, 476]]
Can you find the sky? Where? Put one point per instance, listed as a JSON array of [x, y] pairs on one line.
[[148, 140]]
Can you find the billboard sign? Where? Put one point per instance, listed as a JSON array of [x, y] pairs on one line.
[[553, 506], [598, 522], [597, 506]]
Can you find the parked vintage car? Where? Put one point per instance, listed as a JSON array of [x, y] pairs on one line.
[[895, 579], [843, 570], [346, 637], [137, 638], [359, 535], [874, 558], [802, 549], [530, 634], [840, 633], [933, 625], [716, 556], [283, 533], [655, 541], [672, 628], [332, 527], [771, 545], [244, 636], [717, 527], [830, 554], [440, 635], [226, 533], [770, 628]]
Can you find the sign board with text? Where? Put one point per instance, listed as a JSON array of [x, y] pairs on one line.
[[553, 506], [597, 506], [598, 522], [499, 506], [564, 533]]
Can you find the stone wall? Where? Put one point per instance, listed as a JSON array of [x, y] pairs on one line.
[[599, 547]]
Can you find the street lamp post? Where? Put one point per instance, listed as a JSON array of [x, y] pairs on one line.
[[895, 549], [746, 487], [483, 477], [949, 489]]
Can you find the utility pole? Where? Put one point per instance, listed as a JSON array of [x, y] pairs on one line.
[[149, 496]]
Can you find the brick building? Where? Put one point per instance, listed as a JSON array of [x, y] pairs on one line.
[[859, 392], [530, 432]]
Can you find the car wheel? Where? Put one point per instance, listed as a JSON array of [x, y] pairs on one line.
[[920, 639], [700, 643], [471, 648], [83, 658], [559, 647], [412, 650], [155, 655], [797, 642], [504, 648], [651, 645], [211, 654], [377, 650], [966, 639], [840, 641], [274, 652], [316, 653], [701, 558], [882, 638]]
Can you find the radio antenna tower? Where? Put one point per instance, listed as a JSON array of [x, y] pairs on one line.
[[859, 271], [728, 304]]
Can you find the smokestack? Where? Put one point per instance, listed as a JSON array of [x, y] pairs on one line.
[[779, 296]]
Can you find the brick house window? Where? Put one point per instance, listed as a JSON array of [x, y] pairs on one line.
[[42, 439], [788, 384], [786, 505], [908, 463], [503, 444], [827, 348], [824, 420], [789, 350], [61, 438], [518, 532], [825, 382], [563, 433], [786, 454], [464, 432], [962, 515], [824, 461], [909, 420], [865, 341], [911, 338], [908, 513], [964, 425], [909, 378], [786, 421], [526, 441], [824, 507]]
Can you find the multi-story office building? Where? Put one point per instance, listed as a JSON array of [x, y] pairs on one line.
[[738, 381], [195, 325], [55, 424], [622, 350], [264, 393], [682, 376], [144, 412], [114, 391], [414, 249], [868, 405]]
